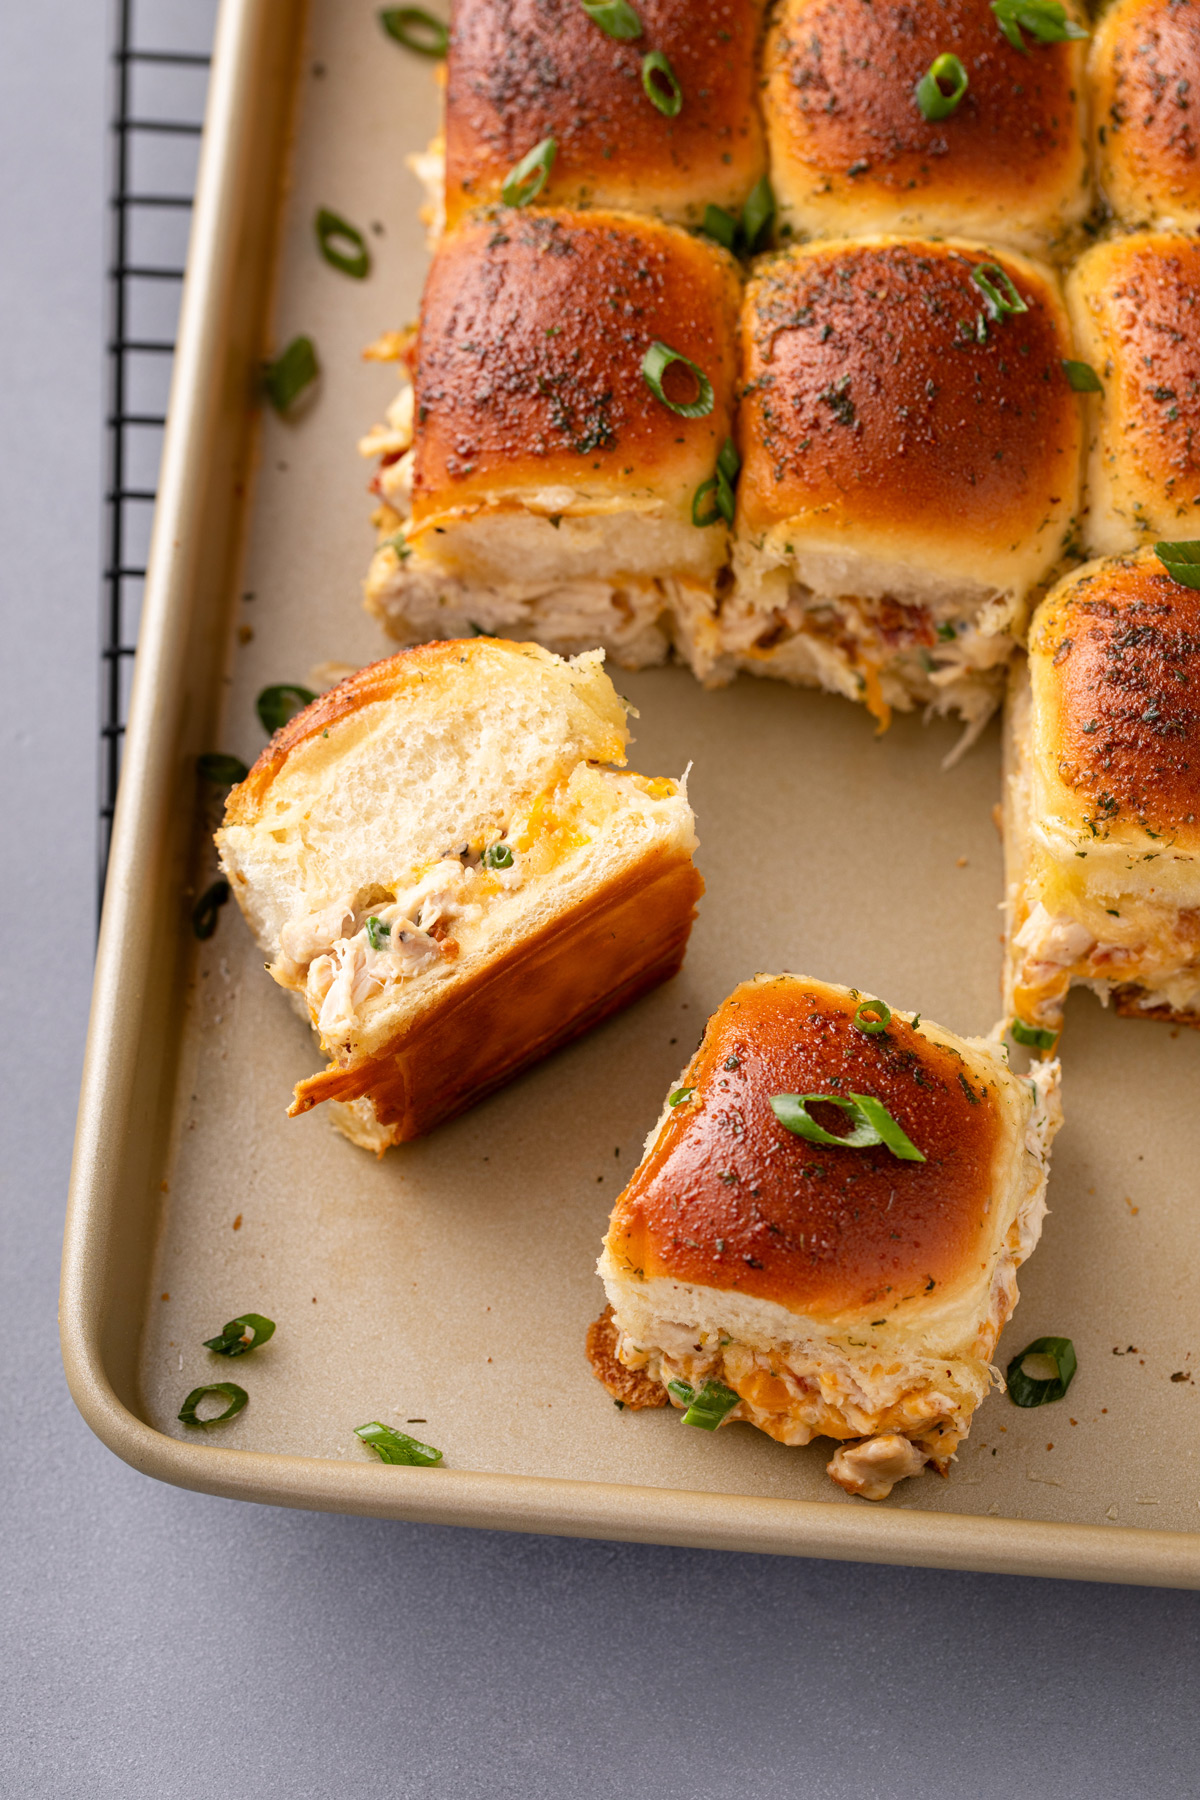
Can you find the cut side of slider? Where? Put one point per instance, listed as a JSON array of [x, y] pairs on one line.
[[573, 392], [1135, 306], [911, 455], [823, 1235], [451, 874], [1102, 798], [522, 72], [853, 150], [1145, 78]]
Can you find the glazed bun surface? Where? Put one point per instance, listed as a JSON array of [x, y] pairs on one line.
[[851, 151], [520, 71], [1145, 75]]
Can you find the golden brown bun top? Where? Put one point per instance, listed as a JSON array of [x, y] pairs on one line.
[[871, 397], [1145, 71], [729, 1199], [523, 70], [840, 82], [1115, 663], [533, 331]]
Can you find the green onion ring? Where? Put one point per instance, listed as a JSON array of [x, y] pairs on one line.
[[711, 514], [499, 856], [329, 226], [294, 369], [1027, 1390], [222, 771], [417, 30], [207, 909], [616, 18], [237, 1397], [997, 289], [680, 1095], [1036, 1037], [376, 932], [233, 1341], [657, 360], [758, 212], [276, 705], [1046, 20], [397, 1447], [881, 1021], [873, 1123], [1082, 377], [707, 1408], [656, 69], [526, 179], [931, 97], [1181, 561]]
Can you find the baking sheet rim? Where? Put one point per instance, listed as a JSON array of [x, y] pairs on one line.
[[832, 1529]]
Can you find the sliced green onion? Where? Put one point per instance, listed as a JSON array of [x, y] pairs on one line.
[[714, 498], [680, 1095], [721, 225], [276, 705], [1035, 1037], [657, 360], [659, 84], [377, 930], [932, 97], [758, 212], [526, 179], [615, 17], [1082, 377], [873, 1123], [872, 1017], [997, 288], [499, 856], [416, 29], [1046, 20], [222, 771], [237, 1397], [208, 907], [330, 227], [397, 1446], [1181, 561], [729, 463], [706, 506], [683, 1391], [233, 1340], [707, 1408], [293, 370], [1030, 1390]]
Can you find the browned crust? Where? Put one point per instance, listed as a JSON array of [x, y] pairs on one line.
[[624, 938], [868, 396], [838, 97], [520, 71], [729, 1199], [1146, 95], [632, 1387], [533, 331], [1125, 1002], [1118, 657]]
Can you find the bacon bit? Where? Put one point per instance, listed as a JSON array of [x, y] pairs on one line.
[[237, 1223]]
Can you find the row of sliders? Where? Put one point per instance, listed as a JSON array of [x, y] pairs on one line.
[[986, 118], [451, 872]]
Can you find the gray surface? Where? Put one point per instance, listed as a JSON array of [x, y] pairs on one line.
[[165, 1644]]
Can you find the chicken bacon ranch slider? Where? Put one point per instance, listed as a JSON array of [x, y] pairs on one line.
[[452, 876], [823, 1235], [1135, 305], [1102, 797], [911, 456], [928, 118], [571, 404], [651, 107], [1145, 76]]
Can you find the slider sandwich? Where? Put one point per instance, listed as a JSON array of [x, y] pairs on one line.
[[927, 119], [1135, 306], [1102, 797], [911, 457], [1145, 75], [648, 107], [571, 405], [451, 875], [823, 1235]]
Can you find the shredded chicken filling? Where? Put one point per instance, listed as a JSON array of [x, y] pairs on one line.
[[1058, 949]]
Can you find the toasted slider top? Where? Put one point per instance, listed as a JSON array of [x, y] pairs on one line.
[[882, 398], [1114, 663], [851, 150], [1145, 73], [520, 71], [529, 381], [729, 1199]]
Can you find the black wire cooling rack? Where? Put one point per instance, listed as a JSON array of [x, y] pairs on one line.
[[160, 59]]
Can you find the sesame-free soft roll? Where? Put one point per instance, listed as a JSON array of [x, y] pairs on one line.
[[1135, 306], [911, 457], [925, 119], [823, 1235], [451, 875], [1145, 80], [650, 107], [1102, 799], [573, 388]]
